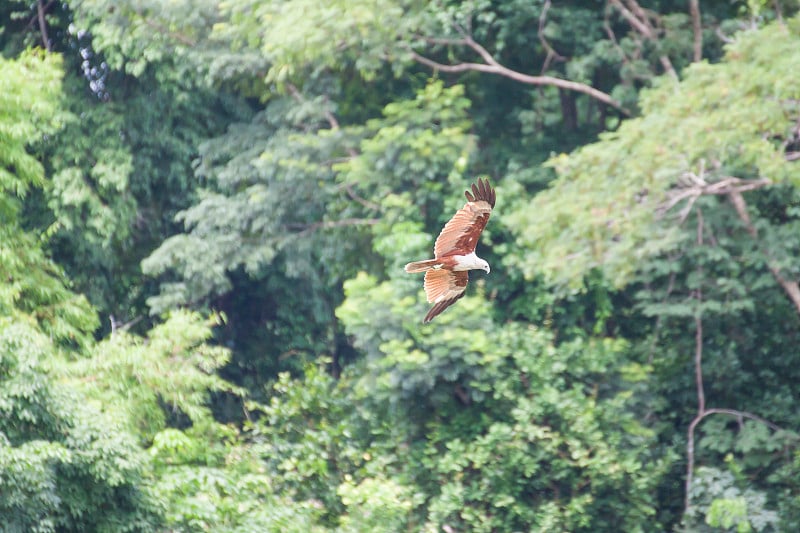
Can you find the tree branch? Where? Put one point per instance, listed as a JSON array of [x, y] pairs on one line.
[[702, 412], [123, 326], [732, 187], [790, 287], [698, 376], [551, 53], [641, 26], [639, 21], [42, 24], [690, 443], [298, 96], [360, 199], [493, 67], [698, 323], [696, 187], [697, 29], [778, 11]]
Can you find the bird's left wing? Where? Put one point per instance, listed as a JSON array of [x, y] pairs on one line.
[[443, 288], [461, 233]]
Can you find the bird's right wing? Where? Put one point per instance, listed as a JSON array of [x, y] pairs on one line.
[[461, 233], [443, 288]]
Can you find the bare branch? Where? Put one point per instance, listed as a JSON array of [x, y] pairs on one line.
[[722, 37], [495, 68], [695, 186], [690, 442], [697, 29], [698, 337], [778, 11], [40, 9], [698, 375], [122, 326], [790, 287], [641, 26], [668, 68], [551, 53], [492, 66], [638, 19], [363, 201], [485, 55], [638, 10], [684, 213], [35, 18], [442, 40], [298, 96], [743, 414]]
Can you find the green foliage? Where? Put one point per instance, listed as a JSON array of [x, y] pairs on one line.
[[733, 118], [214, 485], [33, 285], [299, 34], [726, 506], [252, 216], [64, 464], [415, 146], [528, 409], [28, 109], [168, 374], [36, 288], [374, 504], [135, 36], [120, 167], [531, 467], [120, 174], [305, 439], [279, 162]]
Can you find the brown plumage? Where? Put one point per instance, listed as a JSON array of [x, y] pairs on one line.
[[446, 275], [444, 287], [461, 233]]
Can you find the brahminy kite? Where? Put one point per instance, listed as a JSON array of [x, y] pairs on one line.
[[446, 276]]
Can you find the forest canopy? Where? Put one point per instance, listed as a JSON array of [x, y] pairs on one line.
[[206, 206]]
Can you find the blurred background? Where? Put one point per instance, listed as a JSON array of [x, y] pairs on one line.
[[205, 208]]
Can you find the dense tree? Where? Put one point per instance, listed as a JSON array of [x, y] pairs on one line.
[[205, 209]]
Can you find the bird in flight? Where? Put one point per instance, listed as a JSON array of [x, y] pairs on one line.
[[446, 275]]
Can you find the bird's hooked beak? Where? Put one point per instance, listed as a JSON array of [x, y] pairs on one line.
[[487, 269]]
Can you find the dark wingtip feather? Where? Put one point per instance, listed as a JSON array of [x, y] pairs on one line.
[[441, 306], [482, 191], [434, 311]]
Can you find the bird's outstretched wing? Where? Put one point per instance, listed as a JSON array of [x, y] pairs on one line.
[[461, 233], [443, 288]]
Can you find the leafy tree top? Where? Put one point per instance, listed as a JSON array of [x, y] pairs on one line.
[[727, 125]]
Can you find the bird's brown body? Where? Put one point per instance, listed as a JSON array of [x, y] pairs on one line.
[[446, 275]]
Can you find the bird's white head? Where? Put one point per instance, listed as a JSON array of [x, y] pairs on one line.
[[484, 265]]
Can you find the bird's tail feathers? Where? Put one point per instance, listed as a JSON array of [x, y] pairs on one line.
[[422, 266]]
